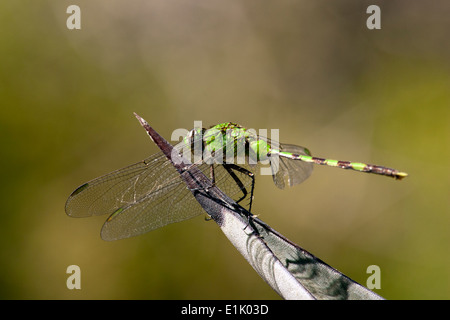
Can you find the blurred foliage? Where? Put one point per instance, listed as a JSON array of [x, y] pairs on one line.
[[309, 68]]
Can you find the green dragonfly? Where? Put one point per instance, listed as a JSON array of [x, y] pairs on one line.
[[150, 194]]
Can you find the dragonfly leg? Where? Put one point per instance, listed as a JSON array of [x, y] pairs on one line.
[[229, 168], [251, 224]]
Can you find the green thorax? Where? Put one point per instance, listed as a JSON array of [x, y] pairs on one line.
[[233, 140]]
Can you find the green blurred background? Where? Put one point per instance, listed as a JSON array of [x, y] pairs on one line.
[[309, 68]]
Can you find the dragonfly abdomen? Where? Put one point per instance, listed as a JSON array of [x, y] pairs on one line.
[[369, 168], [357, 166]]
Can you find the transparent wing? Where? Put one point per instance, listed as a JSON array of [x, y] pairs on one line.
[[108, 193], [119, 188], [172, 202], [283, 168], [145, 196], [294, 171]]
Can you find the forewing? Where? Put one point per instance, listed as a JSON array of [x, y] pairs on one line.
[[106, 194]]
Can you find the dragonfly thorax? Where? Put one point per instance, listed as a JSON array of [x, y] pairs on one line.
[[227, 143]]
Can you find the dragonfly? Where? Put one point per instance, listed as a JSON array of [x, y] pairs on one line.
[[151, 194]]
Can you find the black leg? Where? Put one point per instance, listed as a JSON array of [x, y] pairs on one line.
[[229, 168]]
